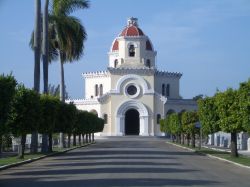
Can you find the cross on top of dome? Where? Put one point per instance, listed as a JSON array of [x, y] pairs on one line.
[[132, 22]]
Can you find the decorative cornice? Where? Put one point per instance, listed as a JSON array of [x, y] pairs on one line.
[[93, 101], [130, 70], [182, 102], [168, 74], [96, 74]]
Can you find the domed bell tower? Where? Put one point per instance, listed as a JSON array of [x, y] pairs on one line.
[[132, 48]]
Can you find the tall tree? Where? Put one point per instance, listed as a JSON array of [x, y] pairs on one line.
[[45, 56], [37, 55], [70, 35]]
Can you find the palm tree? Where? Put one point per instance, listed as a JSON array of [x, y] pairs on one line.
[[70, 35], [66, 36], [45, 56], [37, 52]]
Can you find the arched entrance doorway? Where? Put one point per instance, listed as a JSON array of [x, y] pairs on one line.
[[142, 115], [132, 122]]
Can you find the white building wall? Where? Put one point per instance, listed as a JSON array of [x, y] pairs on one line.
[[172, 81], [91, 80]]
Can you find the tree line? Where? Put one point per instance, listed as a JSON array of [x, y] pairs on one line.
[[227, 111], [23, 111]]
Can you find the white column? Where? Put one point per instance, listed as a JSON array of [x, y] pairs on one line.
[[144, 126], [119, 125]]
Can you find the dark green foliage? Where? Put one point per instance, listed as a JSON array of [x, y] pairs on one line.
[[7, 91], [49, 108], [25, 114], [88, 122]]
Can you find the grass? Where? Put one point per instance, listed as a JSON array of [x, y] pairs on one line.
[[15, 159], [27, 156], [244, 160]]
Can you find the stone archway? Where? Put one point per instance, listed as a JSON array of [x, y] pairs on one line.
[[143, 117]]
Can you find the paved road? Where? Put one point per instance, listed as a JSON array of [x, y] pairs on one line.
[[127, 161]]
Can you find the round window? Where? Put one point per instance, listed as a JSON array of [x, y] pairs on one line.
[[131, 90]]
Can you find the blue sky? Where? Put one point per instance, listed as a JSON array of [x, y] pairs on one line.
[[206, 40]]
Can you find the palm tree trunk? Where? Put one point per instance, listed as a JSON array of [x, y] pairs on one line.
[[45, 52], [37, 54], [62, 84], [62, 92], [37, 45]]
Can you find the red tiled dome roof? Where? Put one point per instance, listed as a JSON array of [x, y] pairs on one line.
[[149, 45], [132, 30], [115, 46]]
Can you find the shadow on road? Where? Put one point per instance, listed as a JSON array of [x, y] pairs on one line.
[[38, 182]]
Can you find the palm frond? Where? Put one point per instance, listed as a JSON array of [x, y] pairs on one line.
[[66, 7], [71, 36]]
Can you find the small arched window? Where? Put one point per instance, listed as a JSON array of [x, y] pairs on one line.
[[96, 90], [101, 90], [148, 63], [131, 50], [163, 89], [158, 117], [105, 117], [168, 90], [115, 63]]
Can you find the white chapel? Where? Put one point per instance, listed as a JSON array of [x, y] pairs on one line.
[[131, 95]]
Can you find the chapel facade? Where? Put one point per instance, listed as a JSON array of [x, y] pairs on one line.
[[131, 95]]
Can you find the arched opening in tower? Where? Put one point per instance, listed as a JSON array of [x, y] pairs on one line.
[[132, 122]]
